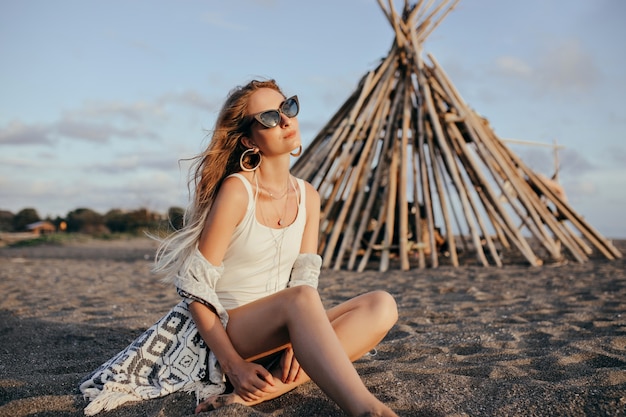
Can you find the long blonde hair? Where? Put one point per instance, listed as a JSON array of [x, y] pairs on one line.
[[220, 159]]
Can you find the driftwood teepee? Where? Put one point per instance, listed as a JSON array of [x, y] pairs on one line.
[[405, 161]]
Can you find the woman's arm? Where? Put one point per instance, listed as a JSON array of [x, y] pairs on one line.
[[311, 229], [226, 213], [250, 380]]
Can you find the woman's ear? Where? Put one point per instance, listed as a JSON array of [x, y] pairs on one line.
[[247, 142]]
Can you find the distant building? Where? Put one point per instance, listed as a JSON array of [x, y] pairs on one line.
[[41, 228]]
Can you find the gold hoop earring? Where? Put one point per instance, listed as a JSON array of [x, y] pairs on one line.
[[243, 155], [292, 153]]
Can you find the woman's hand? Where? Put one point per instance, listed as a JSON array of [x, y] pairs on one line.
[[290, 366], [250, 380]]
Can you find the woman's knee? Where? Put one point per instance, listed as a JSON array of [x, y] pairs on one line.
[[304, 297], [384, 308]]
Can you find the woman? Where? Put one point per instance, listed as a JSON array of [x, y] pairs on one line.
[[246, 266]]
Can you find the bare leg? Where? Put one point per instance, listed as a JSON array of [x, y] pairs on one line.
[[316, 348]]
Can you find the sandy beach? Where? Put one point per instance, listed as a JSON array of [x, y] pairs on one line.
[[471, 341]]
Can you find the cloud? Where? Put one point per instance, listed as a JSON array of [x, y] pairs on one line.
[[142, 111], [19, 164], [134, 112], [100, 132], [52, 195], [123, 164], [513, 66], [615, 155], [537, 159], [575, 163], [561, 66], [155, 191], [101, 121], [188, 98], [89, 132], [580, 189], [20, 134], [118, 165], [218, 20], [566, 66], [19, 193], [17, 133], [572, 163]]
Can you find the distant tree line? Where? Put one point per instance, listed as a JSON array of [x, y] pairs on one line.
[[84, 220]]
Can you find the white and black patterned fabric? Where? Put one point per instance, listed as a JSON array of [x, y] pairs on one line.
[[170, 356]]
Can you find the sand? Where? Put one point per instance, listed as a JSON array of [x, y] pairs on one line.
[[472, 341]]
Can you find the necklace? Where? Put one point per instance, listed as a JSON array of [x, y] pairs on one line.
[[280, 218], [273, 280], [272, 196], [285, 193]]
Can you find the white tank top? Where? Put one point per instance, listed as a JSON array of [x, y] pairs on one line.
[[259, 258]]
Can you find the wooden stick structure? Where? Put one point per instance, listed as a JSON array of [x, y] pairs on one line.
[[411, 177]]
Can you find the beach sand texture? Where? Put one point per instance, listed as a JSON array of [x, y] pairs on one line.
[[471, 341]]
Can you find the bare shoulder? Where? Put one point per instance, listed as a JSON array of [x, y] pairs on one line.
[[232, 196], [234, 187], [312, 196], [309, 190]]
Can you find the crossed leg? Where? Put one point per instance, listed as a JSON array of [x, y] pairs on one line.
[[325, 343]]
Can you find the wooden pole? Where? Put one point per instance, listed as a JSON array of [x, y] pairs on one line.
[[359, 176], [404, 204], [406, 122]]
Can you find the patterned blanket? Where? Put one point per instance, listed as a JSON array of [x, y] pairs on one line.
[[170, 356]]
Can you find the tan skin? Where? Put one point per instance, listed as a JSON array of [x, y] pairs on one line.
[[293, 320]]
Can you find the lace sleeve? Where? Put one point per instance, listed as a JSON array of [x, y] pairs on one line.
[[198, 283], [306, 270]]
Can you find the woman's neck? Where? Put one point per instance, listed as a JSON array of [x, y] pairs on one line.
[[274, 175]]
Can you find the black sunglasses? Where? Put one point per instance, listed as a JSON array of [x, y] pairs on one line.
[[271, 118]]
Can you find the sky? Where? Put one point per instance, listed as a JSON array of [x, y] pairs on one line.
[[100, 100]]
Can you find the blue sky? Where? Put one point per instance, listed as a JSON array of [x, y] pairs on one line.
[[100, 99]]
